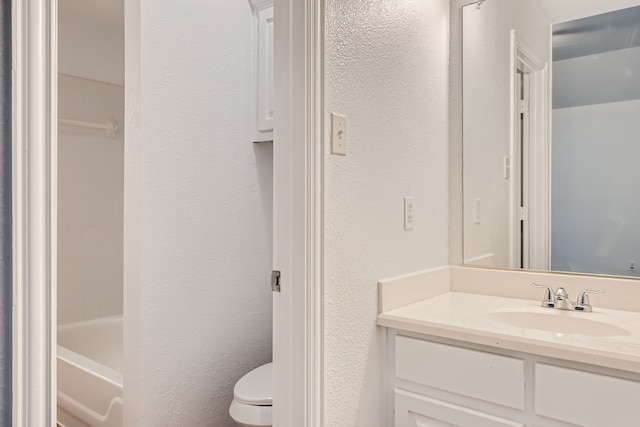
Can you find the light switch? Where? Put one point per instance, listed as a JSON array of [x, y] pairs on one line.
[[338, 134]]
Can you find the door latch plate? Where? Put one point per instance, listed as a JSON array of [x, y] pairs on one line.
[[275, 281]]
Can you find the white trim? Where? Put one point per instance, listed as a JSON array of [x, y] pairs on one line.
[[261, 4], [540, 169], [315, 201], [298, 213], [539, 193], [34, 211]]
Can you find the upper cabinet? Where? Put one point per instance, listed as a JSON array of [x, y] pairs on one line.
[[263, 104]]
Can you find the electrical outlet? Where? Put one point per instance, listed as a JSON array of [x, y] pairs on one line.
[[476, 211], [408, 213]]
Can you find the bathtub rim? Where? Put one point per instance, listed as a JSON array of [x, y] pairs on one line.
[[70, 325], [86, 364], [90, 366]]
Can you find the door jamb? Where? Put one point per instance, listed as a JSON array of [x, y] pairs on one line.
[[34, 163], [35, 206], [298, 212], [539, 143]]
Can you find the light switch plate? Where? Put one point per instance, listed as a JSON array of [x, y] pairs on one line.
[[338, 135]]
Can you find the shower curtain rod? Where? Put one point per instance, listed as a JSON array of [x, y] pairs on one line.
[[110, 127]]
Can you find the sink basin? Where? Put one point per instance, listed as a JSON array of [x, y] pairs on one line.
[[560, 322]]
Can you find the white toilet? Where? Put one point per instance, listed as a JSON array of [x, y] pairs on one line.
[[253, 398]]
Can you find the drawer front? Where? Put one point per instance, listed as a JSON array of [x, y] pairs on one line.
[[488, 377], [584, 398], [413, 410]]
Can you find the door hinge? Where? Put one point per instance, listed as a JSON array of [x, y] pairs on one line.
[[524, 106], [275, 281]]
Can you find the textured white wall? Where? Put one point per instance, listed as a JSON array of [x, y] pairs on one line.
[[487, 116], [387, 71], [90, 199], [89, 46], [486, 129], [197, 213]]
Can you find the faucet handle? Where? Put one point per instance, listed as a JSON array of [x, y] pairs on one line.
[[549, 300], [582, 304]]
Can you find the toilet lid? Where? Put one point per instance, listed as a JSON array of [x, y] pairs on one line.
[[256, 387]]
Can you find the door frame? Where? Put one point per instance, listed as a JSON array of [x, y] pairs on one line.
[[34, 199], [538, 183], [298, 212], [298, 339]]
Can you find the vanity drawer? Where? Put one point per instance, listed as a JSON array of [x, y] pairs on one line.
[[586, 399], [414, 410], [484, 376]]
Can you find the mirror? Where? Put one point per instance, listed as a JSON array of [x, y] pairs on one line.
[[551, 135]]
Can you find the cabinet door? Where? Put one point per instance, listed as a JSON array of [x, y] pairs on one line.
[[584, 398], [484, 376], [265, 70], [414, 410]]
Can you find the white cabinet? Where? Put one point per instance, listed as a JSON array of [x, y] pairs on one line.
[[414, 410], [265, 70], [484, 376], [263, 82], [584, 398], [435, 384]]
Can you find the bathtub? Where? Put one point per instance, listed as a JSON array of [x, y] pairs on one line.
[[89, 373]]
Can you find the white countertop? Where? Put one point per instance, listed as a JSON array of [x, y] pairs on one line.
[[468, 317]]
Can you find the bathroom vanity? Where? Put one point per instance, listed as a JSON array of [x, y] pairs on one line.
[[473, 347], [457, 358]]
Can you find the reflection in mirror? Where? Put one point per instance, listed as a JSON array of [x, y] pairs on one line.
[[596, 144], [506, 51], [544, 197]]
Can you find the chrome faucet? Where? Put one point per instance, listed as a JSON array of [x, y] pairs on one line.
[[560, 299], [549, 300], [583, 304]]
